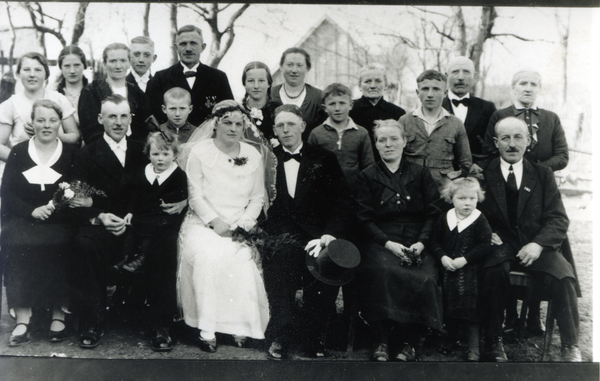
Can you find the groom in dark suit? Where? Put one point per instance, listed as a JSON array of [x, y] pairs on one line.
[[108, 164], [474, 112], [208, 86], [529, 224], [311, 204]]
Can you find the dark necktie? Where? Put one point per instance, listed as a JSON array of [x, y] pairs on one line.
[[289, 156], [511, 180], [464, 101], [189, 73]]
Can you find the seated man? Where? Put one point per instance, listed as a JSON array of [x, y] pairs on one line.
[[311, 203], [529, 224]]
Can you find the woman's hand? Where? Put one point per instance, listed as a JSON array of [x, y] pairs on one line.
[[496, 239], [459, 263], [42, 212], [220, 227], [448, 263], [175, 207], [396, 248], [112, 223], [81, 202], [417, 247]]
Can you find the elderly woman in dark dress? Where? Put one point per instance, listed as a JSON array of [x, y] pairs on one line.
[[35, 235], [257, 81], [397, 215]]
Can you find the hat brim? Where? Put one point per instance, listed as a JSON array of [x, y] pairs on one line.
[[311, 264]]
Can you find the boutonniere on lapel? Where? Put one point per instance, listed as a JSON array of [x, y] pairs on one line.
[[313, 172], [527, 189], [239, 161], [211, 100]]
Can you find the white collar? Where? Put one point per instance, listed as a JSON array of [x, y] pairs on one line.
[[350, 126], [451, 96], [519, 106], [516, 166], [296, 151], [419, 113], [144, 78], [193, 68], [122, 144], [161, 177], [42, 173], [461, 225]]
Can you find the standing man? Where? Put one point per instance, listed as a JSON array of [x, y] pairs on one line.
[[142, 57], [311, 203], [474, 112], [529, 225], [208, 86], [434, 138]]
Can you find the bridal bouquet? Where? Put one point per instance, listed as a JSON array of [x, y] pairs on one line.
[[69, 191]]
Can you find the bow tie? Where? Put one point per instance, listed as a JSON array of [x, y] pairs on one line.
[[464, 101], [289, 156], [189, 73]]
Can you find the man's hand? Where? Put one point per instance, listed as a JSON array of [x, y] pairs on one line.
[[112, 223], [175, 207], [81, 202], [459, 263], [220, 227], [448, 263], [128, 218], [326, 239], [496, 239], [529, 253], [42, 212]]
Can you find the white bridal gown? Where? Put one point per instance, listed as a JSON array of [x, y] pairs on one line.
[[220, 288]]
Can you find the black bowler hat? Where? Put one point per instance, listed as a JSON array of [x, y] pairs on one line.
[[335, 263]]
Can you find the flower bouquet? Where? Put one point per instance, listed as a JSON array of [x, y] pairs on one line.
[[410, 257], [263, 245], [69, 191]]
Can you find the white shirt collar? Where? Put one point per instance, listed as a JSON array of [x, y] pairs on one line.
[[461, 225], [517, 170], [122, 144], [42, 173], [351, 125], [519, 106], [193, 68], [419, 113], [144, 78], [451, 96], [296, 151], [161, 177]]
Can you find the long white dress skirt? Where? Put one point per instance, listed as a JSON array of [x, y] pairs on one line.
[[220, 288]]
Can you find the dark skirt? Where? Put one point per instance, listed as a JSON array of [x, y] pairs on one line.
[[461, 293], [404, 294]]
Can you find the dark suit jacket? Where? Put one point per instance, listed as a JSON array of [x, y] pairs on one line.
[[211, 87], [551, 148], [321, 204], [131, 79], [98, 166], [479, 113], [90, 104], [541, 218]]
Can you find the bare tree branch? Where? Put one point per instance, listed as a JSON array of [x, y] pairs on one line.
[[442, 32], [146, 31], [494, 35], [431, 12]]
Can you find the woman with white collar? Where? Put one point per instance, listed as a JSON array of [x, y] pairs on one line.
[[36, 235]]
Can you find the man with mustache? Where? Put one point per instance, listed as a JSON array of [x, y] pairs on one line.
[[208, 86], [529, 224]]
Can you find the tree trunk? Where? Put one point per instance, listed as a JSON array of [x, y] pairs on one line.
[[462, 31], [79, 26], [488, 17], [173, 17], [7, 83], [220, 47], [147, 20]]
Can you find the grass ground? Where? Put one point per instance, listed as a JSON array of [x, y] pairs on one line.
[[127, 341]]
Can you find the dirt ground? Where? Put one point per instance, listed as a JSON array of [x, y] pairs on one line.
[[126, 340]]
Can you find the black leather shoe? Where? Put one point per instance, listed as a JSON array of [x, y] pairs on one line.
[[511, 324], [161, 341], [316, 349], [570, 353], [58, 336], [276, 351], [209, 346], [535, 327], [24, 338], [136, 264], [381, 353], [495, 350], [90, 338]]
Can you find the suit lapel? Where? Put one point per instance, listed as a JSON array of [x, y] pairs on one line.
[[108, 160], [446, 104], [281, 180], [421, 127], [497, 186], [306, 173], [474, 112], [179, 78], [528, 184]]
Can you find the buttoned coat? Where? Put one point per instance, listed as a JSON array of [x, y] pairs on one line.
[[479, 113], [541, 218], [210, 87], [551, 148]]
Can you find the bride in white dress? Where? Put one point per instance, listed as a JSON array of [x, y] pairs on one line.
[[219, 285]]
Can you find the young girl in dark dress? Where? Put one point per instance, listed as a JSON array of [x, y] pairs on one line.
[[460, 238]]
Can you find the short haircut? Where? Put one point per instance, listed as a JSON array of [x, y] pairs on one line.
[[258, 65], [296, 50], [336, 89], [114, 98], [431, 75], [451, 187], [46, 103], [289, 108], [509, 119], [177, 93], [142, 40], [34, 56], [373, 66], [515, 77], [388, 123], [114, 46], [164, 140], [189, 28]]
